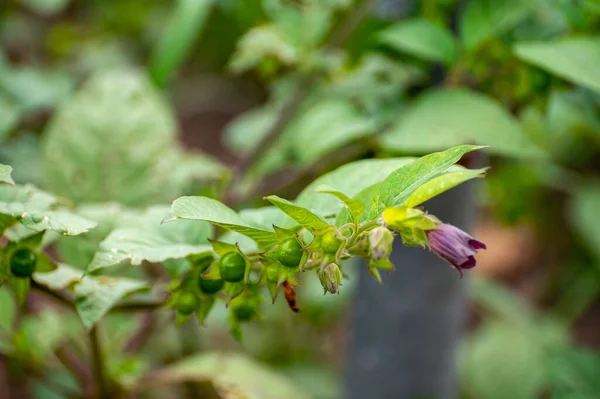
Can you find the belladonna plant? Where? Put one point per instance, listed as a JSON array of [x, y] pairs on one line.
[[455, 246]]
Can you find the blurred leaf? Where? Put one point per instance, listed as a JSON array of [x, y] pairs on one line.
[[94, 296], [212, 211], [35, 89], [325, 127], [441, 184], [149, 240], [503, 361], [303, 216], [396, 188], [20, 288], [260, 43], [499, 301], [46, 7], [349, 179], [447, 117], [421, 38], [24, 155], [574, 59], [114, 141], [183, 27], [228, 372], [482, 19], [574, 373], [9, 117], [7, 312], [585, 217], [37, 211], [5, 172], [63, 277]]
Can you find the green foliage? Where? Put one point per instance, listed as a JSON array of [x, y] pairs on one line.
[[573, 59], [421, 38]]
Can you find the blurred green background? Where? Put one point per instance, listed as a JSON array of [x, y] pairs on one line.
[[136, 102]]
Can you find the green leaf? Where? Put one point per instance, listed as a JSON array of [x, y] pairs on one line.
[[7, 311], [442, 118], [342, 122], [152, 241], [356, 208], [575, 59], [5, 172], [585, 217], [349, 179], [131, 157], [303, 216], [421, 38], [94, 297], [212, 211], [183, 28], [62, 278], [226, 371], [483, 19], [400, 184], [38, 211], [440, 184], [503, 361]]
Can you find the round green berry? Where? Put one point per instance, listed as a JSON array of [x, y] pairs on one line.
[[330, 243], [210, 286], [244, 312], [22, 263], [290, 253], [187, 303], [232, 267]]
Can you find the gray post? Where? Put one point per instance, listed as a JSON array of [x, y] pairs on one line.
[[404, 334]]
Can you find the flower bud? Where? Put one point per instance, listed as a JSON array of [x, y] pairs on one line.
[[380, 242], [331, 278]]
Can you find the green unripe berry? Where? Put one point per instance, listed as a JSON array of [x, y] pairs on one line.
[[290, 253], [330, 243], [22, 263], [187, 303], [210, 286], [244, 312], [232, 267]]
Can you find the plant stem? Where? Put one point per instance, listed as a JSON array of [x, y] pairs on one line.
[[98, 364]]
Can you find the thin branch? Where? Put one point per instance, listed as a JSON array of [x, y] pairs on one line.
[[62, 296], [141, 334], [98, 364], [77, 368]]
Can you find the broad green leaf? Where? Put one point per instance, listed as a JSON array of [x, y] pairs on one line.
[[212, 211], [400, 184], [62, 278], [38, 211], [483, 19], [24, 155], [573, 373], [325, 127], [356, 208], [303, 216], [441, 118], [5, 172], [149, 240], [503, 361], [440, 184], [229, 372], [585, 217], [575, 59], [130, 157], [95, 296], [421, 38], [349, 179], [183, 27]]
